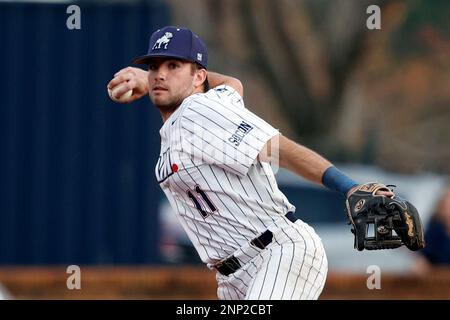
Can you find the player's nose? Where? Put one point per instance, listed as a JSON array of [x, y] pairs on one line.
[[160, 74]]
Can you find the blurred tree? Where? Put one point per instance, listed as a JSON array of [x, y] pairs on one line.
[[304, 51], [307, 50], [314, 70]]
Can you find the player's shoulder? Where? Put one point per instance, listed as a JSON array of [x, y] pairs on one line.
[[218, 103], [219, 98], [225, 92]]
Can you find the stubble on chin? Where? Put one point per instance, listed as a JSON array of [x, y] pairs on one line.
[[167, 106], [171, 104]]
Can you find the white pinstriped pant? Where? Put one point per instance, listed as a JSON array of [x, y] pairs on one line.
[[292, 267]]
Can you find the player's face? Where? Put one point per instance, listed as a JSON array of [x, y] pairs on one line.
[[170, 82]]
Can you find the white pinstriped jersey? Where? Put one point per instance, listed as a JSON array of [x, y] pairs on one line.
[[208, 168]]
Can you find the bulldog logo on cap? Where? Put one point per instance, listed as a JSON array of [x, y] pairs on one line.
[[164, 40], [177, 43]]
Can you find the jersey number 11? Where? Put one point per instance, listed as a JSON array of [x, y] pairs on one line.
[[200, 197]]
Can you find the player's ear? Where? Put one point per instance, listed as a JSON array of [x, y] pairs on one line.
[[199, 77]]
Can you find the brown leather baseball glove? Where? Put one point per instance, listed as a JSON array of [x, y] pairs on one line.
[[374, 219]]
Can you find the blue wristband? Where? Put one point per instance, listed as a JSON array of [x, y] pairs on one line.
[[336, 180]]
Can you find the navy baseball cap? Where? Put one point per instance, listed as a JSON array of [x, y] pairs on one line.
[[178, 43]]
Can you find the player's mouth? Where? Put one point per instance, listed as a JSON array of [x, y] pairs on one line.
[[157, 89]]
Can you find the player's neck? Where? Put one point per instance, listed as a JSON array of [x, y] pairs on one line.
[[167, 110], [166, 114]]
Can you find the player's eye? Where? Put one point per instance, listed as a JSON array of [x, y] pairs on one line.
[[152, 67], [173, 65]]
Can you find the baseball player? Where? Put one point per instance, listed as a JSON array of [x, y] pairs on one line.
[[214, 167]]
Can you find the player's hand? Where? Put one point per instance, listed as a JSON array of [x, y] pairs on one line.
[[389, 194], [127, 79]]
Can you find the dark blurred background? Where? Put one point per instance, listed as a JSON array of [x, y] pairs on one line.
[[77, 170], [77, 181]]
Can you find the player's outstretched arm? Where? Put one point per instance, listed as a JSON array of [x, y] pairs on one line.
[[308, 164], [128, 79], [216, 79], [295, 157]]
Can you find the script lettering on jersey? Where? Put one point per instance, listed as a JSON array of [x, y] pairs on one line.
[[164, 168], [240, 133]]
